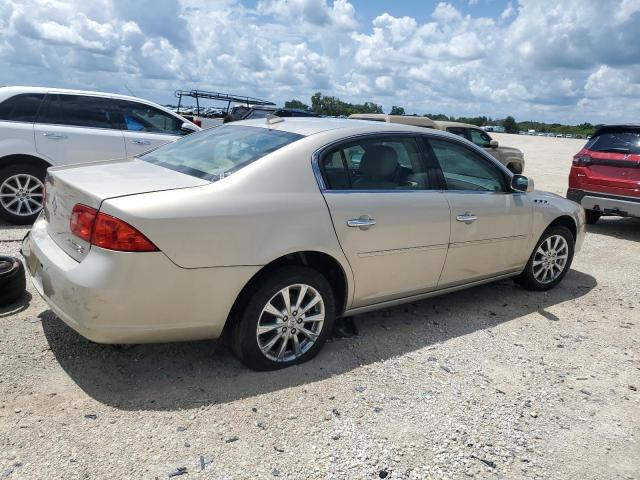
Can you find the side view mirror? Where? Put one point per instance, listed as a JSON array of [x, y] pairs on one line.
[[493, 144], [188, 128], [522, 183]]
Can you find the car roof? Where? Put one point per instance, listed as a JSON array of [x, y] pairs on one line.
[[6, 92], [26, 89], [307, 126], [403, 119], [606, 128], [456, 124]]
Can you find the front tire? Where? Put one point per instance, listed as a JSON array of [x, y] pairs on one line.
[[550, 260], [286, 320], [21, 193]]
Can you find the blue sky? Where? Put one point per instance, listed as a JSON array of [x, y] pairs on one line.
[[568, 60]]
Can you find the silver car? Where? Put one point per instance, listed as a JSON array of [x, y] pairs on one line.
[[267, 230]]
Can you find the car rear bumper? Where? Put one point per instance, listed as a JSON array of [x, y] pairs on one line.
[[606, 203], [117, 297]]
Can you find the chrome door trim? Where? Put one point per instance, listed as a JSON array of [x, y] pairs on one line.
[[488, 241], [403, 250]]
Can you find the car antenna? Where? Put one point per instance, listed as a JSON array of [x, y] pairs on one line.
[[273, 119], [129, 90]]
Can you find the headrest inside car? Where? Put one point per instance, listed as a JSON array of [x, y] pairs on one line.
[[379, 161]]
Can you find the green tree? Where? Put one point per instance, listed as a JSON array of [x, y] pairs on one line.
[[295, 103], [510, 125], [334, 107], [397, 111]]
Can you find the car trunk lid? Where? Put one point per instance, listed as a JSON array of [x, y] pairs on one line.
[[616, 170], [91, 184]]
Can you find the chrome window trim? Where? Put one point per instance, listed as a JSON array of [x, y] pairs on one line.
[[317, 172]]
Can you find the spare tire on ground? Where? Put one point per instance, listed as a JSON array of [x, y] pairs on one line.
[[12, 280]]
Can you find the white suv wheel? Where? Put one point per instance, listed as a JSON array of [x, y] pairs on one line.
[[22, 195]]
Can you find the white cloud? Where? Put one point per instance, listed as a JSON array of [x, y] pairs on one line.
[[569, 60], [508, 12]]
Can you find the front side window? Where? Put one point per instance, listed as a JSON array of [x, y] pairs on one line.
[[392, 163], [138, 117], [466, 170], [78, 111], [480, 138], [217, 152], [21, 108]]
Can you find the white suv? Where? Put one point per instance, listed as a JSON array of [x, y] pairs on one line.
[[43, 127]]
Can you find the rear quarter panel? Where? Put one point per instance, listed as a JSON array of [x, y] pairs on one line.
[[264, 211]]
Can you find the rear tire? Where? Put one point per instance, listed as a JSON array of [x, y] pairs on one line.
[[592, 216], [550, 261], [16, 202], [266, 309], [12, 280]]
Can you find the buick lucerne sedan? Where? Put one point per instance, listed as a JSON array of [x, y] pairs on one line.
[[267, 230]]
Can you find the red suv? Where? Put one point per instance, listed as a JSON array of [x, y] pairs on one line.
[[605, 175]]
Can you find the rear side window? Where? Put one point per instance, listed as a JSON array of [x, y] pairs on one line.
[[21, 108], [258, 114], [79, 111], [623, 140], [458, 131], [217, 152], [138, 117], [376, 163]]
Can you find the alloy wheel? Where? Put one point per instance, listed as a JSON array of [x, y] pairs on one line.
[[550, 259], [22, 194], [290, 323]]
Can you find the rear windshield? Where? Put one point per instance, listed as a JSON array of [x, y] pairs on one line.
[[217, 152], [624, 140]]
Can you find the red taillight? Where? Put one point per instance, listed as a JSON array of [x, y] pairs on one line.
[[581, 160], [81, 221], [114, 234], [106, 231], [198, 122]]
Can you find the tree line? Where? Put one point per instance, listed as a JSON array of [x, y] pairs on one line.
[[334, 107]]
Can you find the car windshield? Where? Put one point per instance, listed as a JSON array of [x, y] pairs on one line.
[[217, 152], [616, 141]]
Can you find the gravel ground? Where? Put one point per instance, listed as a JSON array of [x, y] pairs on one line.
[[492, 382]]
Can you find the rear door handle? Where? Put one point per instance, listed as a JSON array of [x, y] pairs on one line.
[[364, 222], [54, 136], [141, 142], [466, 217]]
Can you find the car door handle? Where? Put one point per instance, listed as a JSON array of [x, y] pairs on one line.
[[466, 217], [141, 142], [364, 222], [54, 136]]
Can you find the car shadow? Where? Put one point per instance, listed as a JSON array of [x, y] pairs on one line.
[[617, 227], [194, 374]]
